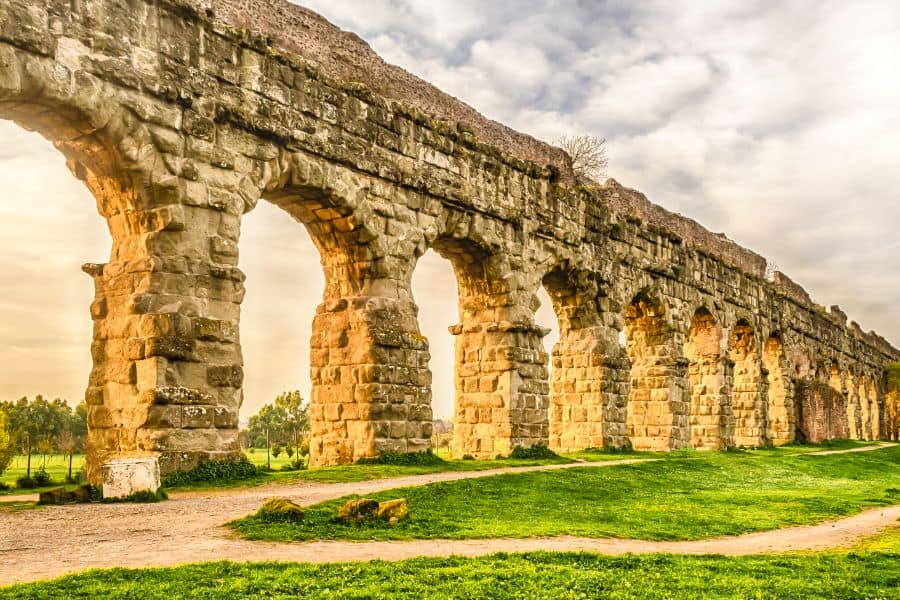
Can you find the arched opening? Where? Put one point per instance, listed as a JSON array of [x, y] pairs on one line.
[[435, 291], [748, 393], [284, 285], [782, 420], [586, 363], [657, 417], [50, 228], [710, 409]]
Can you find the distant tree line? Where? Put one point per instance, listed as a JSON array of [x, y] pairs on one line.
[[41, 427]]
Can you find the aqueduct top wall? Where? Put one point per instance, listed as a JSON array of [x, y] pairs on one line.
[[180, 115]]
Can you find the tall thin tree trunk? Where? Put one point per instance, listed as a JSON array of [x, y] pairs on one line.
[[71, 452], [28, 455], [268, 460]]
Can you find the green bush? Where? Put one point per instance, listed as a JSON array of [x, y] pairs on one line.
[[3, 487], [144, 497], [294, 465], [403, 458], [536, 452], [213, 471], [26, 483], [42, 478], [277, 450]]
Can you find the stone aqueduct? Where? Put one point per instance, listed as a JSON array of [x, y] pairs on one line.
[[179, 119]]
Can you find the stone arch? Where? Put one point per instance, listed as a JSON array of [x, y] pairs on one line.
[[658, 408], [368, 360], [853, 408], [865, 407], [711, 418], [589, 371], [501, 366], [748, 396], [149, 392], [781, 408], [876, 400]]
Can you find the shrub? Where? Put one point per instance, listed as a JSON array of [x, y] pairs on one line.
[[42, 478], [4, 487], [403, 458], [279, 510], [144, 497], [289, 450], [536, 452], [294, 465], [26, 483], [468, 457], [213, 471], [277, 450]]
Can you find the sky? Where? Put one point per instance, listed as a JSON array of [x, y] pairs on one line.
[[775, 122]]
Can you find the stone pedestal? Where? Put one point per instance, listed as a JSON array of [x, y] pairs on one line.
[[123, 477]]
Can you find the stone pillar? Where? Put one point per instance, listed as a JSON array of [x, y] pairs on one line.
[[782, 418], [167, 370], [865, 410], [748, 399], [851, 390], [711, 420], [877, 400], [589, 379], [658, 400], [501, 388], [588, 391], [370, 380]]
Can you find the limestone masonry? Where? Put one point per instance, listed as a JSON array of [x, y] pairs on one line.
[[181, 115]]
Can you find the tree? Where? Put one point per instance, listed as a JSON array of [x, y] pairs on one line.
[[588, 152], [269, 424], [71, 437], [35, 425], [295, 413], [7, 446]]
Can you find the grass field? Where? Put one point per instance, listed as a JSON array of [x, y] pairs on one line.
[[688, 496], [868, 571], [57, 465]]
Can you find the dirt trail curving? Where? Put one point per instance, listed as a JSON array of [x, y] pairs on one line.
[[845, 451], [53, 541]]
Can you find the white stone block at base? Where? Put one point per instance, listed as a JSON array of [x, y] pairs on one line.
[[125, 476]]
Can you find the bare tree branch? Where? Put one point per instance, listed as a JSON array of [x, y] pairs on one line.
[[588, 152]]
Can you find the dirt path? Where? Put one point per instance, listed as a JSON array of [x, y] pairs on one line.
[[860, 449], [53, 541]]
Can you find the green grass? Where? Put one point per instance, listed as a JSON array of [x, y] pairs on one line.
[[691, 495], [355, 473], [57, 465], [861, 573]]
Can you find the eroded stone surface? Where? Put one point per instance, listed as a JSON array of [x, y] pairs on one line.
[[181, 115], [123, 477]]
